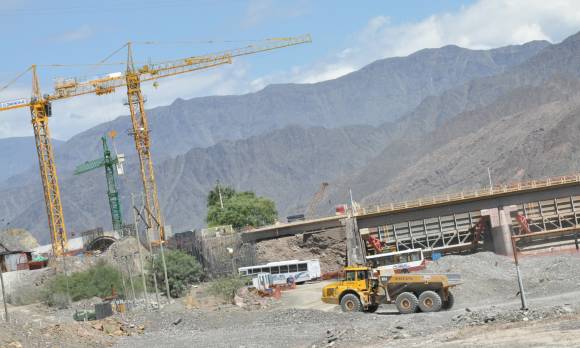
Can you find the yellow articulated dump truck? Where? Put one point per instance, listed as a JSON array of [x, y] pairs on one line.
[[362, 290]]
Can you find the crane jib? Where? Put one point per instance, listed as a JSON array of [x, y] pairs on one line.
[[11, 103]]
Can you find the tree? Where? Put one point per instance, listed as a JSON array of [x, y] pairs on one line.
[[213, 198], [182, 271], [240, 209]]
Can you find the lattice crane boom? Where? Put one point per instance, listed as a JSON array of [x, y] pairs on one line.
[[40, 110]]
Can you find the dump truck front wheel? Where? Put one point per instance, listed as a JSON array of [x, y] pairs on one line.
[[407, 303], [450, 301], [430, 301], [351, 303]]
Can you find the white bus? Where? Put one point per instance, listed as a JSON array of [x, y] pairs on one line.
[[284, 272], [399, 261]]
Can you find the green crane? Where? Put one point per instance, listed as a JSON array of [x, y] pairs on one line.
[[112, 165]]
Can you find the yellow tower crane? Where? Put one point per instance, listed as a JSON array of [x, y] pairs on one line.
[[131, 79], [40, 110]]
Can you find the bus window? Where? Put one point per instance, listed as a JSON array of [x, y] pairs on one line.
[[302, 267], [362, 275], [265, 269], [284, 269], [293, 268], [274, 270], [244, 272], [416, 257]]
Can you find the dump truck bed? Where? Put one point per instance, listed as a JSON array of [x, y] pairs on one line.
[[452, 278]]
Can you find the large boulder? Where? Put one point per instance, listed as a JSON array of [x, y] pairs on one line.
[[17, 239]]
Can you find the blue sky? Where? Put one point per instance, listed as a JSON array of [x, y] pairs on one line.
[[346, 36]]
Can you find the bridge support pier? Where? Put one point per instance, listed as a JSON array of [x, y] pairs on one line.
[[501, 229]]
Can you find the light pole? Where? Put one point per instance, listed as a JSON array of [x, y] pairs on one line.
[[3, 294], [68, 299], [490, 183], [520, 282]]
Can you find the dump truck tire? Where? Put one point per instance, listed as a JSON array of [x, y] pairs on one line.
[[351, 303], [407, 303], [430, 301], [450, 301], [372, 308]]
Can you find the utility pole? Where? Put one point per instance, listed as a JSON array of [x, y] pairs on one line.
[[3, 294], [126, 296], [146, 295], [131, 276], [520, 282], [352, 207], [164, 270], [68, 299], [490, 184], [220, 194], [152, 256]]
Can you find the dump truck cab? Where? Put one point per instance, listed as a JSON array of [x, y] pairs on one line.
[[362, 289], [354, 291]]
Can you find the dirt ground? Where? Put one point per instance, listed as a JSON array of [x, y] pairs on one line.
[[487, 313]]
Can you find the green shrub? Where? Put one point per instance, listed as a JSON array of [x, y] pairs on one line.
[[240, 209], [182, 271], [226, 287], [97, 281]]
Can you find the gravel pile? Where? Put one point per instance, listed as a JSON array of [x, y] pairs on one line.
[[490, 278], [494, 315]]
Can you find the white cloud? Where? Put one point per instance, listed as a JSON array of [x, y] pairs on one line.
[[78, 34], [483, 25]]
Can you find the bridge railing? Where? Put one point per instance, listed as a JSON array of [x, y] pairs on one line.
[[484, 192]]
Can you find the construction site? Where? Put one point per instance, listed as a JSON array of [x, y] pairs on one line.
[[307, 223]]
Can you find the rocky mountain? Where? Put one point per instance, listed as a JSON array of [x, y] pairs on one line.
[[19, 155], [435, 148], [380, 92], [287, 165], [428, 123]]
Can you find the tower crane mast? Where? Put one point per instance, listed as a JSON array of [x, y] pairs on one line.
[[40, 111], [111, 165]]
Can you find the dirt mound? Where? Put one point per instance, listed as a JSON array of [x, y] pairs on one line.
[[490, 278], [329, 247]]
